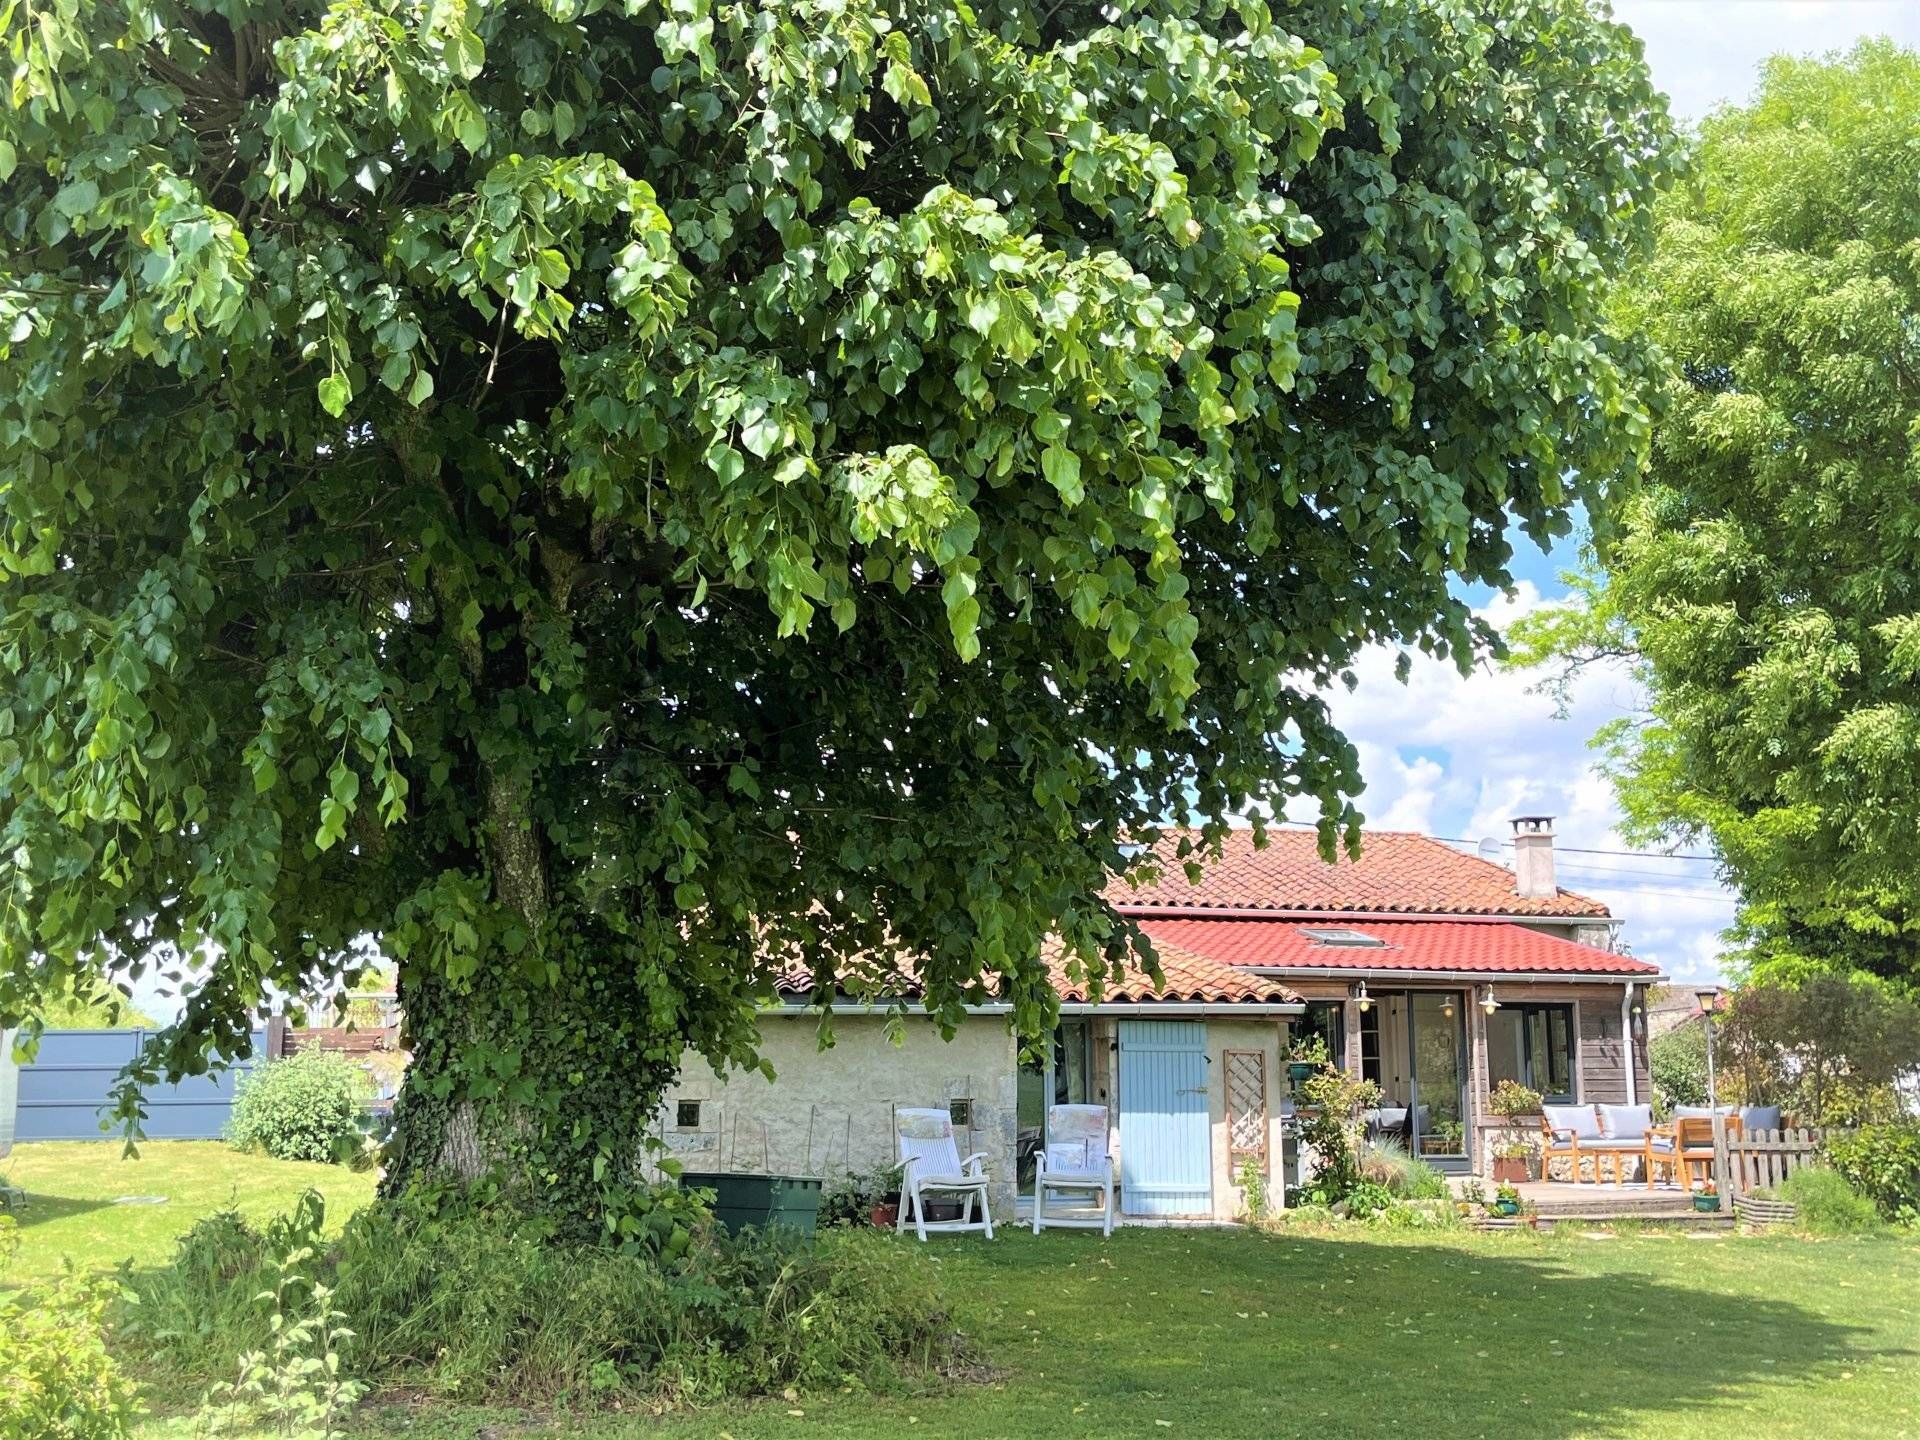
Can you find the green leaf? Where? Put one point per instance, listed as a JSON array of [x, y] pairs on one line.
[[76, 198], [334, 394], [1062, 468]]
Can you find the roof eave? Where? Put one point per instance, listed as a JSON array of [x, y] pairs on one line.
[[1256, 912], [848, 1005], [1375, 972]]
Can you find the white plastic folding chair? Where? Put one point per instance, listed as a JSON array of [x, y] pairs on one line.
[[1074, 1163], [931, 1165]]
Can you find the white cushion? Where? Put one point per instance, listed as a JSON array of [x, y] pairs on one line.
[[1073, 1157], [1626, 1122], [1579, 1119]]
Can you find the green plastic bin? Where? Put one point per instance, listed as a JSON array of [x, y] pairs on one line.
[[743, 1200]]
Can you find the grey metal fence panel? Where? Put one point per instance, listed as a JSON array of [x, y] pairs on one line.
[[63, 1090]]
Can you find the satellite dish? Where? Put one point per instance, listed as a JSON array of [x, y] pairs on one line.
[[1488, 849]]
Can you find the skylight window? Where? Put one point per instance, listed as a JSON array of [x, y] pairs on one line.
[[1343, 938]]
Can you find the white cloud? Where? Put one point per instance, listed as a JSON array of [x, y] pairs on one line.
[[1703, 52], [1458, 756]]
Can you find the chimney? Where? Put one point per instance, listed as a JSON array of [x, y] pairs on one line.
[[1533, 857]]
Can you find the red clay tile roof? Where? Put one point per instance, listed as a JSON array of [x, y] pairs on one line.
[[1191, 978], [1490, 947], [1398, 872]]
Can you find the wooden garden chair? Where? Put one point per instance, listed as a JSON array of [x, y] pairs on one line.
[[1693, 1146], [1562, 1128]]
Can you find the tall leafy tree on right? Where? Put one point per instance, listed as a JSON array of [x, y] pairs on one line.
[[1765, 581]]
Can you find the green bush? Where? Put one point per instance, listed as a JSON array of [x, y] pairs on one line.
[[458, 1300], [1677, 1063], [1882, 1162], [1827, 1204], [306, 1107], [57, 1381]]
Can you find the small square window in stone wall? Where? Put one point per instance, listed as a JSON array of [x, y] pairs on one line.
[[686, 1114], [962, 1113]]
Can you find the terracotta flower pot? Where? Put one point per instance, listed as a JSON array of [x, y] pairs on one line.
[[1509, 1171], [885, 1214]]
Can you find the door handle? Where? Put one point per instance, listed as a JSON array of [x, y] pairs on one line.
[[1196, 1090]]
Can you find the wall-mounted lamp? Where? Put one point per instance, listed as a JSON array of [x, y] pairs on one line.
[[1361, 998], [1487, 1002], [1446, 1006]]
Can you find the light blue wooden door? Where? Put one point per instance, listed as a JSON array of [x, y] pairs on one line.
[[1166, 1151]]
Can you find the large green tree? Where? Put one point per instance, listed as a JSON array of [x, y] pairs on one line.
[[613, 499], [1766, 581]]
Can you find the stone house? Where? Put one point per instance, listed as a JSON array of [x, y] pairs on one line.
[[1434, 972]]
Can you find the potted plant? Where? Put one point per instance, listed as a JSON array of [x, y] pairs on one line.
[[1707, 1199], [1305, 1055], [1510, 1100], [1473, 1196], [870, 1198], [1513, 1161], [1506, 1201]]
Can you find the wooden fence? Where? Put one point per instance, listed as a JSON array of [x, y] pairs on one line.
[[1761, 1159], [1766, 1157]]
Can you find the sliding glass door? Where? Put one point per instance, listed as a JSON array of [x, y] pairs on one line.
[[1064, 1077], [1413, 1044], [1438, 1036]]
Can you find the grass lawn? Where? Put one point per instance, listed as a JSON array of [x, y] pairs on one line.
[[1226, 1333], [72, 1185]]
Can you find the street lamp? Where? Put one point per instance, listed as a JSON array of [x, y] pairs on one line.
[[1709, 1001]]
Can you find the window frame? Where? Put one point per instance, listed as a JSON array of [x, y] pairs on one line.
[[1337, 1032], [1522, 1011]]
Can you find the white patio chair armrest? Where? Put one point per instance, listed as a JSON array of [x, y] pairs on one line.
[[971, 1165]]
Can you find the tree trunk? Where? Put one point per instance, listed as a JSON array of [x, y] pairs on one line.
[[548, 1086]]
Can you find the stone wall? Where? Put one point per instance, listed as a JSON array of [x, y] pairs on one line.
[[831, 1111]]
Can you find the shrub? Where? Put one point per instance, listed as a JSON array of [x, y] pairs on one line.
[[1368, 1198], [306, 1107], [57, 1381], [1677, 1063], [1405, 1177], [1882, 1162], [1827, 1204], [456, 1299], [1331, 1126]]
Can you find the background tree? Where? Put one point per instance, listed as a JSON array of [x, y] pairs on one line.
[[1677, 1065], [1766, 581], [92, 1009], [1833, 1049], [614, 500]]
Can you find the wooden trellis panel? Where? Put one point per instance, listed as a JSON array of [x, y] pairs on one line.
[[1247, 1106]]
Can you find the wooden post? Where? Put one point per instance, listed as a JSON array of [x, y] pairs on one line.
[[1724, 1179], [276, 1036]]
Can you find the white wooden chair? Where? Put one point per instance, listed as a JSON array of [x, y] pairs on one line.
[[1074, 1161], [931, 1165]]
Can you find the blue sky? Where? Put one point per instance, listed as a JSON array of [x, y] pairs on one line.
[[1457, 756]]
